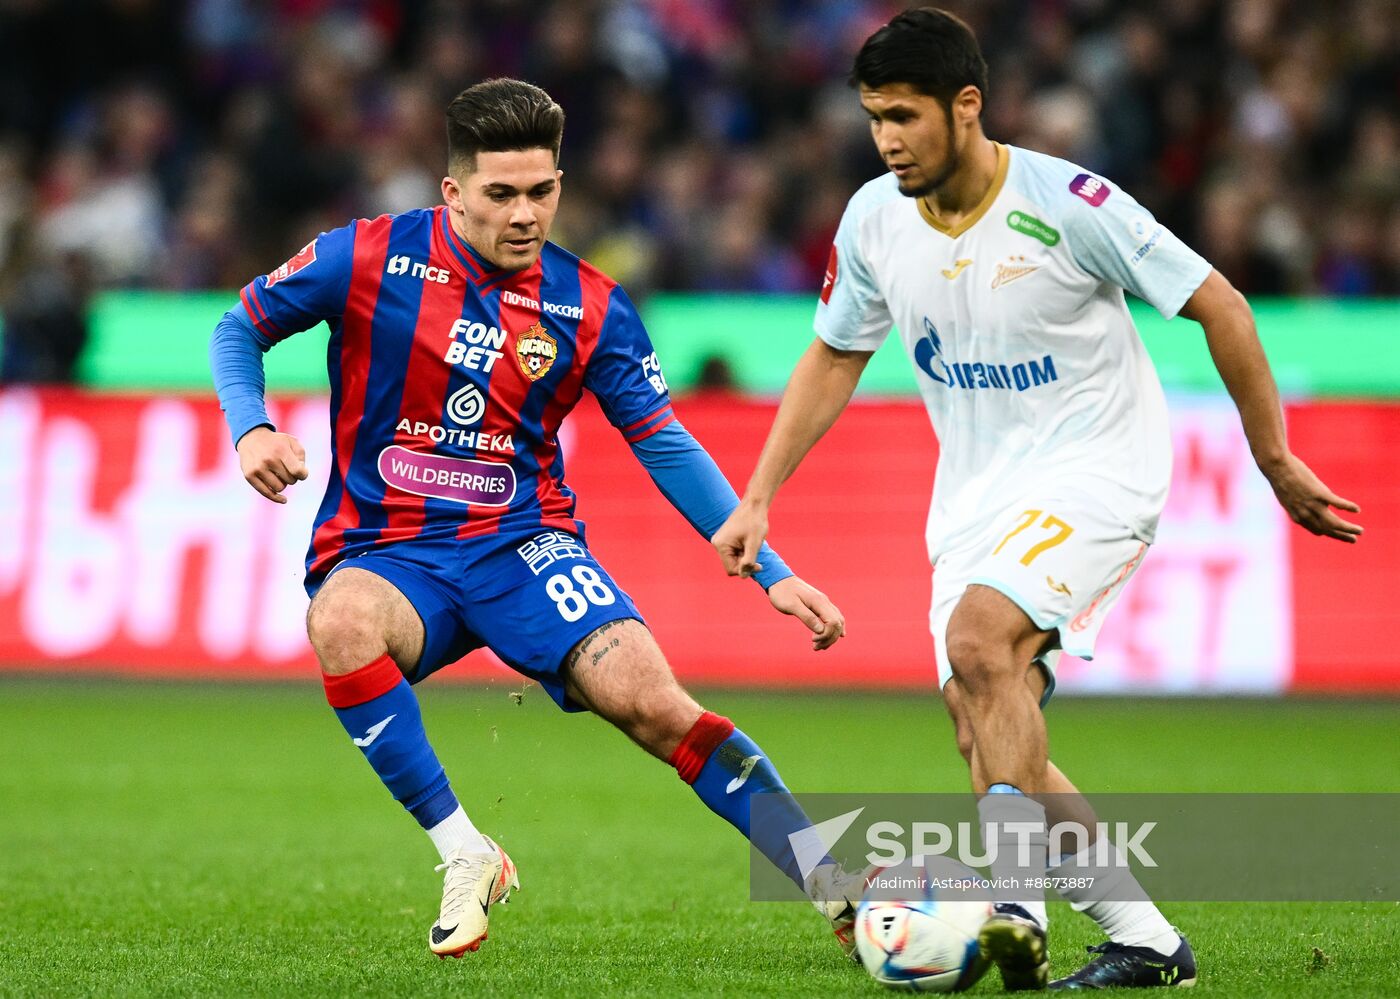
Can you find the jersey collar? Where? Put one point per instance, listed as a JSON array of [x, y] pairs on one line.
[[472, 264], [975, 216]]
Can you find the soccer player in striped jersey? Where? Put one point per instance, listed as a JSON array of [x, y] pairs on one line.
[[1004, 271], [460, 339]]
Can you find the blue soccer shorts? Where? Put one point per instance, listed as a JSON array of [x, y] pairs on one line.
[[528, 597]]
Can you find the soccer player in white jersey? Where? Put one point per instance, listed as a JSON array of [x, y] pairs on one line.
[[1004, 271]]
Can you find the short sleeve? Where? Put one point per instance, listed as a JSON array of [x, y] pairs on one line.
[[1117, 240], [851, 313], [308, 288], [626, 376]]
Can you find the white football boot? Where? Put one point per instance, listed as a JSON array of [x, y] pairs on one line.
[[836, 893], [474, 882]]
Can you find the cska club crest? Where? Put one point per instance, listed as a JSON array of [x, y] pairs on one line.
[[536, 350]]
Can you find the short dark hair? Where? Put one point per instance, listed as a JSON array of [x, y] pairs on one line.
[[500, 115], [932, 50]]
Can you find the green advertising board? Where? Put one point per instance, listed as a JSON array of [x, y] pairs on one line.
[[1318, 348]]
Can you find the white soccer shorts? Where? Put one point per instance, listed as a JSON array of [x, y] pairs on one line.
[[1063, 559]]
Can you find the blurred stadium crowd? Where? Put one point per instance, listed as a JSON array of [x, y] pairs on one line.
[[711, 144]]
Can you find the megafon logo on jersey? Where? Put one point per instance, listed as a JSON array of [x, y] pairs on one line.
[[536, 351], [306, 255], [829, 281], [402, 264], [1091, 189]]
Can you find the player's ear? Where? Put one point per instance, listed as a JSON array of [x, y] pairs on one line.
[[452, 193], [967, 105]]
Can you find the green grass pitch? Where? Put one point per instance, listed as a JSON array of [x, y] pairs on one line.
[[224, 840]]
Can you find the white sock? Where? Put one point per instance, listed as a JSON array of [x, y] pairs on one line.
[[457, 834], [1003, 809], [1115, 900], [808, 848]]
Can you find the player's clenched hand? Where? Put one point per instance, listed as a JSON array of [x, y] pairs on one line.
[[271, 461], [810, 606], [739, 539], [1309, 502]]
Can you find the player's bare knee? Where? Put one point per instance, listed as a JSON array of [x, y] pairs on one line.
[[668, 725], [346, 630], [340, 618], [962, 728], [646, 729], [981, 667], [659, 720]]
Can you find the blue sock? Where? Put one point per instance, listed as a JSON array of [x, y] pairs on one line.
[[726, 769], [379, 710], [1005, 789]]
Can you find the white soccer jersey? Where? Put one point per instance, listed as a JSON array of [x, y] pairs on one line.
[[1023, 348]]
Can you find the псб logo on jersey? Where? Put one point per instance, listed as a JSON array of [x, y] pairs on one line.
[[402, 264], [536, 350]]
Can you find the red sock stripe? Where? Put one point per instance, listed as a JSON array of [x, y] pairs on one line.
[[699, 743], [363, 685]]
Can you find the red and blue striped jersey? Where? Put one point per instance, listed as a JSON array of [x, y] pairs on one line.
[[450, 378]]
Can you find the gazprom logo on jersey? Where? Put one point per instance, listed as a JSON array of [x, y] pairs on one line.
[[1148, 233], [401, 264], [928, 355]]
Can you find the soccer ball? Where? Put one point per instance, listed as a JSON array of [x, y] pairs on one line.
[[917, 932]]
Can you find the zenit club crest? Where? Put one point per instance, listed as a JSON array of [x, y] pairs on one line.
[[536, 350]]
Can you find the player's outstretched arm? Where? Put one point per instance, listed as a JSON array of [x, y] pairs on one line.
[[1239, 357], [271, 461], [820, 386], [688, 477]]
